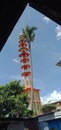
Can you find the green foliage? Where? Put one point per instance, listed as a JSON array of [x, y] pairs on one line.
[[48, 108], [13, 102], [1, 100], [29, 34]]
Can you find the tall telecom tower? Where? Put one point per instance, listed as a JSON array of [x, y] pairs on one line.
[[26, 74]]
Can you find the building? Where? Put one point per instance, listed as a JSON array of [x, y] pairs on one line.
[[51, 107], [19, 124], [50, 121], [58, 105], [37, 106]]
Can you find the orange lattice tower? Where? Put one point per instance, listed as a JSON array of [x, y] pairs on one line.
[[26, 74], [24, 55]]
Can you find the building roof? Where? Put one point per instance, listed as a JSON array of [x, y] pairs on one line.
[[58, 63], [52, 102], [10, 11], [50, 116]]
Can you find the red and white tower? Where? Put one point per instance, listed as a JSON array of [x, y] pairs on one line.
[[26, 74], [24, 55]]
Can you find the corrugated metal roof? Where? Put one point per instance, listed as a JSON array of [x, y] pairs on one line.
[[50, 116], [10, 11]]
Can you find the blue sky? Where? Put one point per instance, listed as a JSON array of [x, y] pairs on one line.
[[46, 52]]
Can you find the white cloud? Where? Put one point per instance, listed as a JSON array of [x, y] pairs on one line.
[[53, 97], [16, 60], [46, 19], [58, 32]]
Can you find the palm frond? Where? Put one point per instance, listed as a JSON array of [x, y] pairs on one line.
[[32, 37], [29, 34], [23, 30], [34, 28]]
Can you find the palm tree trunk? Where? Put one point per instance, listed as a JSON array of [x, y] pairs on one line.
[[31, 82]]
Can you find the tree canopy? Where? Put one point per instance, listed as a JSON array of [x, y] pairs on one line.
[[13, 101], [48, 108], [29, 34]]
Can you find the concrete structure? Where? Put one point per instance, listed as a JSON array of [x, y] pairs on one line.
[[36, 99], [19, 124], [58, 63], [15, 9], [51, 121], [58, 105]]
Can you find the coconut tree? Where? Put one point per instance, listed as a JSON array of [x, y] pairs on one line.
[[29, 37]]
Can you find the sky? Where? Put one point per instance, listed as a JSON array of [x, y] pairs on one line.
[[46, 52]]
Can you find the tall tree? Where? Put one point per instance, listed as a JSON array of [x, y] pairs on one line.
[[29, 37], [13, 102]]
